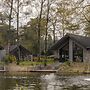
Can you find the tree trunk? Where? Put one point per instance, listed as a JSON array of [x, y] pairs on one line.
[[39, 31], [10, 18], [54, 28], [47, 20], [18, 32], [46, 36], [63, 28]]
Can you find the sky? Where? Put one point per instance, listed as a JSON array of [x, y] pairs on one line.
[[33, 9]]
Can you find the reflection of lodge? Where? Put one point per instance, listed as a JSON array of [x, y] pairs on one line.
[[72, 47]]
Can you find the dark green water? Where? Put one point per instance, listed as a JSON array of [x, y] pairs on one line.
[[37, 81]]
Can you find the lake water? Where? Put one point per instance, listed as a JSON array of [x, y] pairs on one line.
[[43, 81]]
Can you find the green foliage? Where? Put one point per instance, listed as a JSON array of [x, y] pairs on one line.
[[30, 36], [68, 63], [36, 62], [86, 14], [72, 27], [1, 63], [67, 11], [43, 58], [9, 59], [87, 29], [6, 34]]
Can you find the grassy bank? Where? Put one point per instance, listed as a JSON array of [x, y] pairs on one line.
[[30, 63], [17, 68], [74, 68], [26, 66]]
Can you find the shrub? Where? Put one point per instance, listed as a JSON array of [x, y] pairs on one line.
[[9, 59], [68, 63]]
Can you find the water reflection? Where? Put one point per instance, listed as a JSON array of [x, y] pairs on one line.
[[43, 81]]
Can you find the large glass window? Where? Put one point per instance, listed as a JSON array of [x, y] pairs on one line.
[[64, 53], [77, 53]]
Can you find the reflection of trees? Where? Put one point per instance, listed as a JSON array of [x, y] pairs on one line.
[[74, 87], [73, 82], [35, 81], [55, 82], [6, 83], [49, 82], [31, 81]]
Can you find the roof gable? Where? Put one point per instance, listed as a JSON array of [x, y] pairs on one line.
[[14, 49], [82, 40]]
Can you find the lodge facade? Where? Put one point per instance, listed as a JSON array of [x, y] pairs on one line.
[[73, 48], [19, 51]]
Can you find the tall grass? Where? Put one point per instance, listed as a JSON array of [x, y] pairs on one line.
[[74, 67]]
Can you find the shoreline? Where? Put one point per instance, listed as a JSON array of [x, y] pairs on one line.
[[73, 68]]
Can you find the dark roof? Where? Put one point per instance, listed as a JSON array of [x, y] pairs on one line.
[[14, 49], [82, 40]]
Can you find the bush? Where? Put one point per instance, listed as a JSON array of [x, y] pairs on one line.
[[68, 63], [9, 59]]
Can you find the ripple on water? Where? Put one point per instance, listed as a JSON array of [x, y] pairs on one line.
[[49, 81]]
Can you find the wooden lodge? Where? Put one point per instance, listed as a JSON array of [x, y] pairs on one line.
[[72, 48], [19, 51]]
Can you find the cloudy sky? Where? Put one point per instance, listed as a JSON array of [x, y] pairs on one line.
[[31, 10]]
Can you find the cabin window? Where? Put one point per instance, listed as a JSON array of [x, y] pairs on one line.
[[77, 53]]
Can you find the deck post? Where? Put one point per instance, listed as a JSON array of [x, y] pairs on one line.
[[70, 50]]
